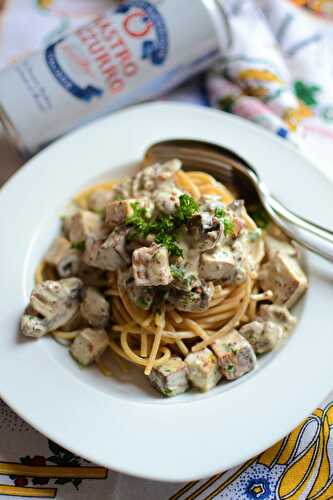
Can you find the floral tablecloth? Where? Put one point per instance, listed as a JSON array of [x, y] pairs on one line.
[[280, 78]]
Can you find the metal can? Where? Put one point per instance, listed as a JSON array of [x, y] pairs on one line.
[[136, 50]]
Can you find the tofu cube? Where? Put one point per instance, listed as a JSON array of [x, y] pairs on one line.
[[151, 266], [82, 224], [284, 276], [277, 314], [235, 355], [219, 264], [110, 254], [263, 336], [95, 309], [117, 212], [203, 369], [170, 378], [98, 200], [88, 345], [274, 245]]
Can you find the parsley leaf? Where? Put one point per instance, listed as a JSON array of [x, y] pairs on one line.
[[219, 213], [169, 241], [78, 245], [177, 273], [227, 222], [141, 302], [187, 207], [260, 217], [163, 227]]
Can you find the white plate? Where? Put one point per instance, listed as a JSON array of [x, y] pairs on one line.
[[127, 426]]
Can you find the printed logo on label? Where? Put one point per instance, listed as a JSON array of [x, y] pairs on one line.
[[107, 57], [84, 93], [142, 19]]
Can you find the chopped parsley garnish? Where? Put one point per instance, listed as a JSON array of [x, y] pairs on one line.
[[181, 274], [230, 368], [141, 302], [219, 213], [169, 241], [167, 392], [227, 222], [119, 197], [139, 220], [178, 273], [100, 211], [164, 227], [187, 207], [78, 245], [260, 217]]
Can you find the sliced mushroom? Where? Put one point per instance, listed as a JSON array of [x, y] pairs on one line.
[[65, 258], [141, 296], [54, 303], [204, 231]]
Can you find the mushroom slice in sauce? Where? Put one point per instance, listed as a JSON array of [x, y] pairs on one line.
[[65, 258], [53, 303], [204, 231]]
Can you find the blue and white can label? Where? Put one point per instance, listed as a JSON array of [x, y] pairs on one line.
[[135, 51]]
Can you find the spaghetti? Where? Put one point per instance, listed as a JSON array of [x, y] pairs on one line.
[[151, 335]]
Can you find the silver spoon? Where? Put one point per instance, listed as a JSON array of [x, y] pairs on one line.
[[228, 167]]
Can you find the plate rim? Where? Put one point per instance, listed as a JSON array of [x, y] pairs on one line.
[[153, 109]]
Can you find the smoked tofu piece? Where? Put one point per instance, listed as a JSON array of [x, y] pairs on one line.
[[235, 355], [203, 369], [98, 200], [109, 254], [65, 258], [150, 178], [117, 212], [82, 224], [95, 309], [277, 314], [170, 378], [220, 264], [284, 277], [88, 345], [275, 245], [167, 199], [263, 336], [151, 266]]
